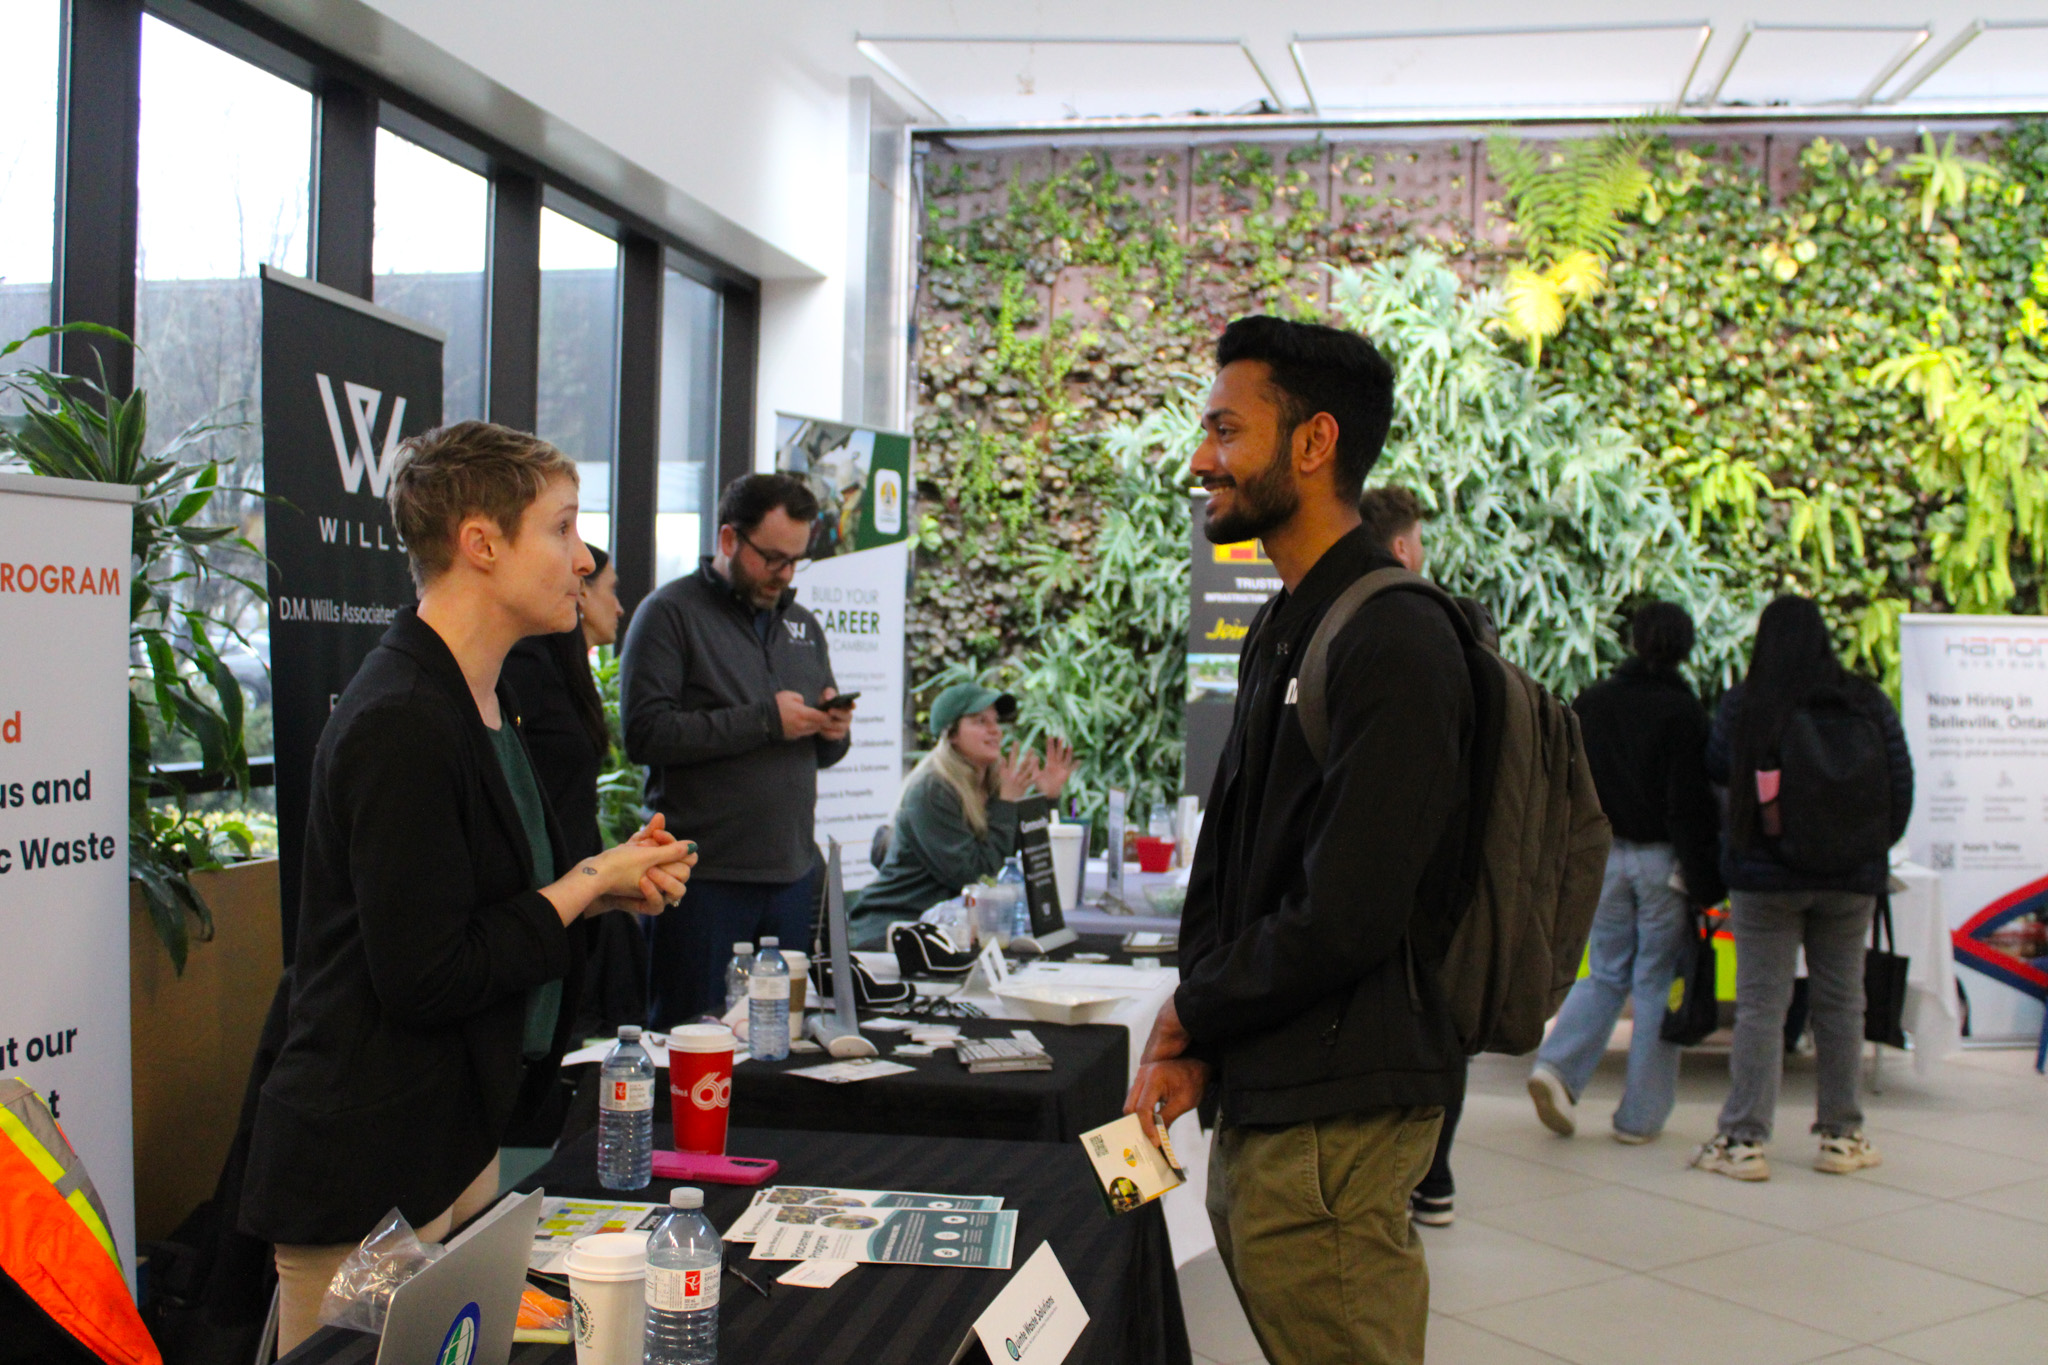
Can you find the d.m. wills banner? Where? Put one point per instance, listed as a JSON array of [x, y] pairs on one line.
[[857, 585], [1973, 697], [343, 383]]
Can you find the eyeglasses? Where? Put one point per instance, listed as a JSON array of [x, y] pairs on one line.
[[773, 563]]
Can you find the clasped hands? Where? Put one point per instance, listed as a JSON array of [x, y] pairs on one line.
[[1168, 1081], [645, 875]]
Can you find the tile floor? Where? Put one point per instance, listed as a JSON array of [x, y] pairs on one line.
[[1582, 1250]]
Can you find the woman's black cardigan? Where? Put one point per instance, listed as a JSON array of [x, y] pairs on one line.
[[419, 938]]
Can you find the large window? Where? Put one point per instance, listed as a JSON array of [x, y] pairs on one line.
[[432, 231], [579, 339], [689, 424], [28, 174], [225, 165]]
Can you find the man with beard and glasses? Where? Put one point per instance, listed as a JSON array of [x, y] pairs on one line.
[[1323, 894], [724, 681]]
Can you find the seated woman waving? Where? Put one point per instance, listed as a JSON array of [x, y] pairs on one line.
[[440, 908], [957, 820]]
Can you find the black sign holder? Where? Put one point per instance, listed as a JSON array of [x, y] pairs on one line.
[[1041, 889]]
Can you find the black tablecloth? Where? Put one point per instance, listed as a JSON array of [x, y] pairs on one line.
[[1121, 1267], [938, 1097]]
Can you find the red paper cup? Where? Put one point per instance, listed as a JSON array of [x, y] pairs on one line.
[[700, 1086], [1154, 855]]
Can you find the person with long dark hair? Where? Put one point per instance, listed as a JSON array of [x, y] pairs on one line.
[[565, 728], [1819, 786]]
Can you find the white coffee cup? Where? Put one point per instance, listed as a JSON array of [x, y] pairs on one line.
[[607, 1289], [1069, 852], [799, 987]]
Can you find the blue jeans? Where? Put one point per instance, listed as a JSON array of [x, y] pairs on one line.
[[1638, 937], [693, 941]]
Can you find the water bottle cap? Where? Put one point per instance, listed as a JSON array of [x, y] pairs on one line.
[[770, 941], [742, 949], [686, 1197], [629, 1033]]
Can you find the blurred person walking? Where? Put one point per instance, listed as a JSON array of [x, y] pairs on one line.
[[1646, 738], [1323, 892], [1819, 787], [724, 678]]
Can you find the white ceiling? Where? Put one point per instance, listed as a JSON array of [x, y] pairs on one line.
[[1453, 58]]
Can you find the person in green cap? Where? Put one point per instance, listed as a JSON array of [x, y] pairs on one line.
[[957, 820]]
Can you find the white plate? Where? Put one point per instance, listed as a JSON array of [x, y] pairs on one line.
[[1062, 1004]]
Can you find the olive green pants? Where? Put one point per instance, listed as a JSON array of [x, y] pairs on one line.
[[1312, 1224]]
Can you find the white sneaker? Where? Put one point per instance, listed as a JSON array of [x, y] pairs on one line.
[[1739, 1160], [1554, 1104], [1850, 1152]]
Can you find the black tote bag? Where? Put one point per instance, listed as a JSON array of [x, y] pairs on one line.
[[1884, 982], [1694, 1012]]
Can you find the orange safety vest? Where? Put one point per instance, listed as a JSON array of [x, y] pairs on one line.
[[55, 1241]]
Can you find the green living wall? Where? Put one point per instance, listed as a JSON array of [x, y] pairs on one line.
[[1806, 363]]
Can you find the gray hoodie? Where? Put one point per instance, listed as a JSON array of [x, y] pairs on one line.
[[698, 690]]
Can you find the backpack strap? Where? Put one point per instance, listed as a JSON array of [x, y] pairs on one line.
[[1312, 679]]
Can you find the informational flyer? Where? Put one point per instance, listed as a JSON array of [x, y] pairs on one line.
[[562, 1221], [1131, 1170], [961, 1237], [1973, 694], [767, 1201]]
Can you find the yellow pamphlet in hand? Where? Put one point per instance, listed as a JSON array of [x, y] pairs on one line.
[[1133, 1172]]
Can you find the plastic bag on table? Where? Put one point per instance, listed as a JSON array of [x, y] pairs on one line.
[[359, 1296]]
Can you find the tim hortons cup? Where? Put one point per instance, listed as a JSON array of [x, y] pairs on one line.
[[700, 1086]]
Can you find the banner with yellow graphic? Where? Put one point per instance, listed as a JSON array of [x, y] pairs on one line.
[[1227, 585]]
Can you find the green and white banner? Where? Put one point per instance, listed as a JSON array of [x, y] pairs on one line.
[[857, 585]]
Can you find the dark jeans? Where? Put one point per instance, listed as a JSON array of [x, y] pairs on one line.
[[1438, 1183], [693, 942]]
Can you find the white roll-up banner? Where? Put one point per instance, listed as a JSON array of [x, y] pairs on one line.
[[1973, 694], [64, 581], [857, 585]]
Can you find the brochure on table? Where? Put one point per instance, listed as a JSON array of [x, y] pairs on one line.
[[748, 1227], [563, 1221], [961, 1237]]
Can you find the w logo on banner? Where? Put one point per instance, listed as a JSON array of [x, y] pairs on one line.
[[365, 457]]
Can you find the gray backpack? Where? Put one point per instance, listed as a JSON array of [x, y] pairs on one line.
[[1539, 849]]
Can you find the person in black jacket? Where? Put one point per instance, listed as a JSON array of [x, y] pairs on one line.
[[1778, 907], [1323, 894], [440, 902], [1646, 737], [561, 716]]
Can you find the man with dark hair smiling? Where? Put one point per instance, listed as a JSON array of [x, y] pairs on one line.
[[1323, 894], [724, 681]]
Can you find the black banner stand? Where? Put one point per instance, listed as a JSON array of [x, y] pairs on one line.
[[343, 383]]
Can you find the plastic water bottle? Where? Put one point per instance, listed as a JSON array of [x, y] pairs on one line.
[[625, 1114], [684, 1258], [768, 1003], [736, 973], [1020, 914]]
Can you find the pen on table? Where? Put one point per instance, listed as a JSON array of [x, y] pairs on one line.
[[746, 1279]]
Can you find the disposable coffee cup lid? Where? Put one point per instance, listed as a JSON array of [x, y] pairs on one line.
[[607, 1257], [701, 1038]]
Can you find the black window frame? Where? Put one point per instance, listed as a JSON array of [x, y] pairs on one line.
[[95, 242]]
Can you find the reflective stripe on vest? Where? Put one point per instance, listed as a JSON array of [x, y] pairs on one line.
[[55, 1241]]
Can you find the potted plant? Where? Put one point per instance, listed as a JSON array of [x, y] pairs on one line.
[[180, 689]]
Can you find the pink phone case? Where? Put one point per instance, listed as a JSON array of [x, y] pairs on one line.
[[715, 1170]]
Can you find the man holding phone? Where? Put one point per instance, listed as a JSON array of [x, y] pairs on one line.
[[729, 700]]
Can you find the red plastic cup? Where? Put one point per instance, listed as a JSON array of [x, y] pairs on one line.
[[700, 1086], [1154, 855]]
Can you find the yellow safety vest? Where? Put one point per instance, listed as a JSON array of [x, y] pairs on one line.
[[55, 1239]]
